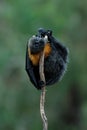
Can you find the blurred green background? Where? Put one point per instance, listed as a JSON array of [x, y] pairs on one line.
[[66, 101]]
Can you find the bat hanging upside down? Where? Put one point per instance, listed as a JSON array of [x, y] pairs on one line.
[[55, 62]]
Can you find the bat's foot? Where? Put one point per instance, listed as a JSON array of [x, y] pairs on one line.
[[42, 83]]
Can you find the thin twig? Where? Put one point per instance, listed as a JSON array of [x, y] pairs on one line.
[[43, 92]]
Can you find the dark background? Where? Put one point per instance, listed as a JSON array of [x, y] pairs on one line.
[[66, 101]]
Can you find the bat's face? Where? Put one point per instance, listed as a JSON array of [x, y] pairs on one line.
[[36, 44]]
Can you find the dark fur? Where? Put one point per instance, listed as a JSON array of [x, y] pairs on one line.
[[36, 44], [55, 64]]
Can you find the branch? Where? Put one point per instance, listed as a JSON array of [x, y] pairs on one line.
[[43, 92]]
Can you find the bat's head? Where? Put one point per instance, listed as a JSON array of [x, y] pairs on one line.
[[42, 33], [36, 44]]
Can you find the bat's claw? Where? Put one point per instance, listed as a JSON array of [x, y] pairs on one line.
[[42, 83]]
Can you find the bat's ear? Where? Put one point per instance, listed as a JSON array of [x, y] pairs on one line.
[[42, 32], [49, 32]]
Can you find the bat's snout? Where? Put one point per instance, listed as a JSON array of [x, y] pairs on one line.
[[36, 43]]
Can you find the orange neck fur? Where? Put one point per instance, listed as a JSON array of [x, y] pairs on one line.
[[36, 57]]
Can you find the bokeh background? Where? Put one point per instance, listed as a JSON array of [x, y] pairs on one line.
[[66, 101]]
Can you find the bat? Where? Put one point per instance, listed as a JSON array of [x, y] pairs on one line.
[[55, 62]]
